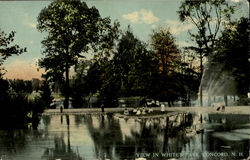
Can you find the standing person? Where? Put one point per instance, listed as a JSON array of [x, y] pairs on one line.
[[61, 109], [162, 108], [102, 107]]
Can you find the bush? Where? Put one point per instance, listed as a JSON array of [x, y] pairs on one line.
[[17, 111]]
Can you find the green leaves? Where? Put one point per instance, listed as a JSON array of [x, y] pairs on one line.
[[8, 49], [165, 48], [73, 30], [207, 16]]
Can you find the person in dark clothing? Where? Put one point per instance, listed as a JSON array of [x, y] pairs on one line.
[[61, 109]]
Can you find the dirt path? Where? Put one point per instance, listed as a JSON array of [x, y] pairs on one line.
[[228, 110]]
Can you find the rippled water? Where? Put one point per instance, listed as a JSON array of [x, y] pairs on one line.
[[90, 137]]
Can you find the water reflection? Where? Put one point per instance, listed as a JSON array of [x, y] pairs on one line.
[[99, 136], [61, 150]]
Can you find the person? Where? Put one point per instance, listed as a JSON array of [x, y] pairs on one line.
[[150, 110], [162, 108], [223, 108], [102, 107], [134, 110], [157, 103], [126, 111], [143, 110], [61, 109], [138, 112]]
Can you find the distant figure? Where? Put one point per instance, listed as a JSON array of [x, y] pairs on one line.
[[126, 111], [144, 102], [223, 108], [61, 109], [67, 119], [143, 110], [157, 103], [162, 108], [138, 112], [150, 110], [134, 110], [102, 107]]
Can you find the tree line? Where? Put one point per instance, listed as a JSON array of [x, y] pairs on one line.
[[124, 66]]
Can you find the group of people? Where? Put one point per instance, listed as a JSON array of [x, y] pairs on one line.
[[139, 111], [143, 110]]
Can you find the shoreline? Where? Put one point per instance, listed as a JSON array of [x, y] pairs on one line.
[[211, 110]]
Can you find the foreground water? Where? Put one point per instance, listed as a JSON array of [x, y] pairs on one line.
[[90, 137]]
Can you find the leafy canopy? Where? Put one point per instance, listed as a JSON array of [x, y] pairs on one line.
[[6, 47], [73, 29]]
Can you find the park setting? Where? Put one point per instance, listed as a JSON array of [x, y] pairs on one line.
[[125, 80]]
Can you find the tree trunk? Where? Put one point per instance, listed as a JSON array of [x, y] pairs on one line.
[[169, 103], [209, 100], [66, 100], [201, 68], [225, 100]]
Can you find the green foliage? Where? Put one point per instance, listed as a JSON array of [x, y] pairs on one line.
[[134, 65], [111, 84], [164, 45], [6, 49], [21, 86], [80, 89], [232, 60], [165, 84], [16, 109], [46, 94], [73, 29], [207, 16]]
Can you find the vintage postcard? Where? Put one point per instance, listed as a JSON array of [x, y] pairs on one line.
[[124, 80]]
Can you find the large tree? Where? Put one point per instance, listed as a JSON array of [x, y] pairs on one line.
[[230, 65], [208, 17], [73, 29], [134, 64], [165, 86]]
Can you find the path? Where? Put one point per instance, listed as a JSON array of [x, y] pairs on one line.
[[228, 110]]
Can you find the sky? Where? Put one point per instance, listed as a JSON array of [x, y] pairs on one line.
[[142, 15]]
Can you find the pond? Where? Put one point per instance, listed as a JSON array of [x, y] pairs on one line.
[[95, 136]]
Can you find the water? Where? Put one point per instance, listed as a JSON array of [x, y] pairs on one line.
[[90, 137]]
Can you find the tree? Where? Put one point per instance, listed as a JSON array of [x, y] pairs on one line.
[[110, 85], [230, 64], [73, 29], [15, 108], [46, 93], [36, 84], [166, 51], [21, 86], [201, 55], [79, 85], [188, 78], [7, 50], [134, 64], [165, 86], [208, 17]]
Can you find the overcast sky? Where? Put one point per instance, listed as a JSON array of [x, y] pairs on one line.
[[141, 15]]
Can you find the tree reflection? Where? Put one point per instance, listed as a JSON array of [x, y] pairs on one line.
[[15, 140], [62, 150], [46, 119], [125, 138]]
